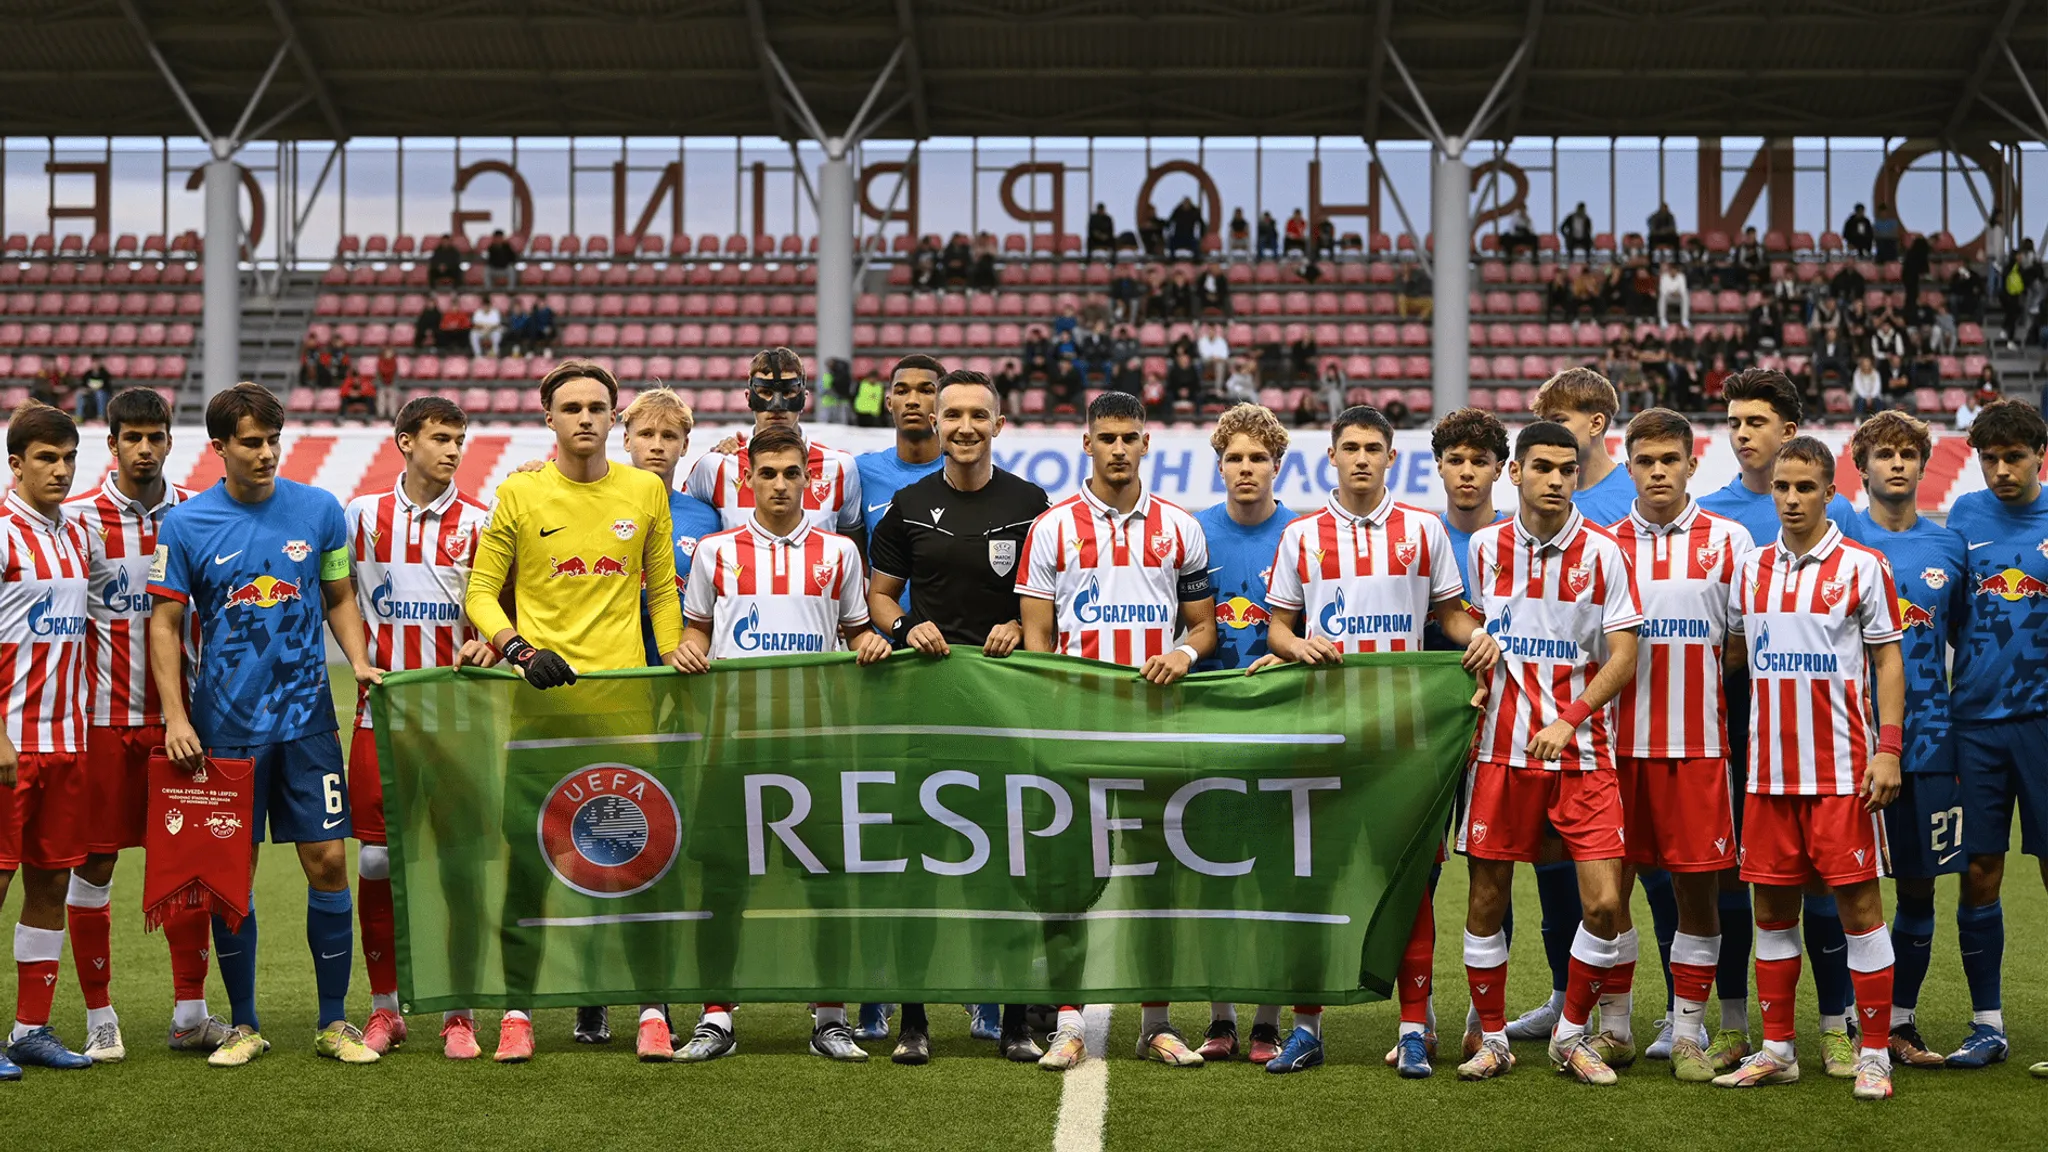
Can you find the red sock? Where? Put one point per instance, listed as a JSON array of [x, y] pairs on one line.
[[1418, 963], [1490, 996], [1777, 985], [1692, 981], [720, 1007], [35, 988], [380, 935], [92, 932], [1583, 987], [189, 932], [1874, 1001]]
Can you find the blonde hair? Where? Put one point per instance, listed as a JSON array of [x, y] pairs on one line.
[[660, 405], [1254, 420], [1576, 390]]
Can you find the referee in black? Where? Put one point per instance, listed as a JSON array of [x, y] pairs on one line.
[[956, 537]]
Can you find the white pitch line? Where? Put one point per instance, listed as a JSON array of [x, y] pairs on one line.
[[611, 918], [1045, 917], [600, 741], [1084, 1091], [1045, 734]]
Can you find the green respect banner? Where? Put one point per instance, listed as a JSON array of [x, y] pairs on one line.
[[1036, 828]]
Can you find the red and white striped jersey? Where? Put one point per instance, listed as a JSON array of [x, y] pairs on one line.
[[412, 566], [1550, 604], [1116, 580], [120, 540], [43, 576], [1673, 708], [831, 502], [1807, 620], [1365, 583], [769, 595]]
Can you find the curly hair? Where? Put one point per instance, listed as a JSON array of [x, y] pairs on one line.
[[1470, 428], [1892, 427], [1254, 420]]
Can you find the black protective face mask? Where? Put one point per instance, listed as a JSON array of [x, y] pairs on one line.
[[776, 393]]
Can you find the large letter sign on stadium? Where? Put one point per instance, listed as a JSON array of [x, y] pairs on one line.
[[797, 828]]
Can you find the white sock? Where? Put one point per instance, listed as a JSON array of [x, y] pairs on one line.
[[1406, 1029], [1834, 1023], [1069, 1018], [388, 1001], [19, 1031], [188, 1014], [1782, 1049], [1152, 1016], [1500, 1038], [1688, 1017], [833, 1015], [721, 1017], [95, 1017], [647, 1014], [1735, 1014], [1221, 1010], [1313, 1021], [458, 1014], [1883, 1055], [1995, 1017], [518, 1014], [83, 895], [1267, 1014], [1566, 1030], [1901, 1016]]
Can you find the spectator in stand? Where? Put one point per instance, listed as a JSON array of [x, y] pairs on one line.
[[1682, 370], [1158, 297], [1213, 352], [1126, 296], [1093, 351], [1857, 235], [1750, 258], [1577, 233], [1973, 403], [49, 385], [444, 267], [1766, 324], [1826, 313], [426, 328], [1672, 289], [501, 264], [540, 328], [1184, 384], [1923, 364], [1185, 229], [1993, 253], [1663, 233], [1941, 328], [486, 328], [1180, 296], [516, 323], [1037, 353], [2021, 272], [1151, 232], [1240, 238], [1009, 382], [359, 396], [454, 335], [1302, 355], [1848, 284], [1101, 235], [1557, 295], [1326, 242], [925, 272], [316, 370], [1124, 345], [1914, 268], [1269, 237], [1792, 303], [957, 261], [95, 384], [1240, 386], [1586, 289], [984, 277], [1065, 386], [1067, 324], [1966, 292], [340, 365], [1714, 380], [1212, 291], [387, 382], [1183, 341], [1130, 376], [1866, 389], [1417, 299], [1520, 236], [1297, 234], [1884, 234], [1832, 352]]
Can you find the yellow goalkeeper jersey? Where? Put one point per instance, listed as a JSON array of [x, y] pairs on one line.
[[578, 555]]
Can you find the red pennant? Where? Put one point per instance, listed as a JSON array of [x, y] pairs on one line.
[[199, 842]]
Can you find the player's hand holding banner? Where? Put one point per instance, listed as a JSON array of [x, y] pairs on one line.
[[199, 845], [774, 828]]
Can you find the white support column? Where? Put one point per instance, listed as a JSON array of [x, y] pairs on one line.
[[1450, 223], [222, 276], [835, 254]]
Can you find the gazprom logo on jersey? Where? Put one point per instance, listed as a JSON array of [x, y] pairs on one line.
[[1768, 659], [747, 636], [1529, 647], [119, 600], [1676, 629], [42, 620], [384, 605], [1089, 608], [1336, 625], [610, 830]]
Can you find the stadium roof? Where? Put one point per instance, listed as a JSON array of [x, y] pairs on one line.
[[1025, 67]]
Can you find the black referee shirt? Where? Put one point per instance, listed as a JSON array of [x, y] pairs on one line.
[[960, 551]]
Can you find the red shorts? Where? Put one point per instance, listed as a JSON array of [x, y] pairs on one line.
[[42, 818], [365, 788], [1677, 813], [1790, 840], [1507, 810], [117, 786]]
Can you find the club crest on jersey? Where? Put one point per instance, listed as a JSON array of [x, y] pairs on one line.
[[1162, 544], [1002, 556], [1479, 831], [223, 825], [1407, 550], [609, 830], [823, 573], [174, 821], [458, 540], [1936, 578], [297, 550], [1709, 555], [1832, 591], [624, 529], [820, 489], [1577, 579], [687, 545]]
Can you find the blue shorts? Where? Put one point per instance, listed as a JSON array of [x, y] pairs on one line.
[[1924, 827], [299, 787], [2001, 764]]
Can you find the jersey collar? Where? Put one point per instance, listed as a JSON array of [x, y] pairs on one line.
[[1139, 511], [793, 540], [1376, 517], [1829, 541], [27, 512], [1526, 539], [1678, 527], [437, 507], [112, 492]]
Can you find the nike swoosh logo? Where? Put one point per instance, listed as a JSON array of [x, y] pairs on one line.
[[329, 823], [228, 557], [1982, 544], [546, 532], [879, 507], [332, 955], [1216, 569], [1947, 858], [1835, 949]]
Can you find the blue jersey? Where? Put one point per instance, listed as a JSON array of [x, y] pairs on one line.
[[1930, 569], [1433, 638], [882, 474], [1608, 501], [693, 520], [1757, 512], [250, 575], [1240, 564], [2001, 670]]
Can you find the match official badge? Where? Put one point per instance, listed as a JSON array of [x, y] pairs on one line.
[[297, 550], [624, 529], [1002, 556], [610, 830]]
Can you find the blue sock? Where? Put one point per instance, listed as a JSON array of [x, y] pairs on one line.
[[1980, 935], [1557, 890], [1827, 955], [1663, 920], [1912, 947], [1738, 931], [331, 934], [235, 952], [1507, 921]]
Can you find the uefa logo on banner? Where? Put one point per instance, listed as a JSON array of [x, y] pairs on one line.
[[610, 830]]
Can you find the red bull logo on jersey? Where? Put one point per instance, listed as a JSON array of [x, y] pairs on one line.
[[573, 566], [1238, 612], [263, 592], [297, 550], [2012, 586], [624, 529], [607, 566], [1912, 615], [610, 830], [1935, 578]]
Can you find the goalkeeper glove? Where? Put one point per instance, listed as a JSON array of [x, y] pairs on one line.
[[541, 667]]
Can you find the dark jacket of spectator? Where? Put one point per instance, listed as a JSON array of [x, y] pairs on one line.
[[1101, 232], [1577, 231], [1185, 228], [1269, 237], [445, 265], [1856, 231], [1037, 353], [1212, 290], [426, 329]]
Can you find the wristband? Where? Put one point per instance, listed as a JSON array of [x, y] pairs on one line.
[[1574, 713], [899, 632], [1890, 739], [1194, 657], [517, 650]]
